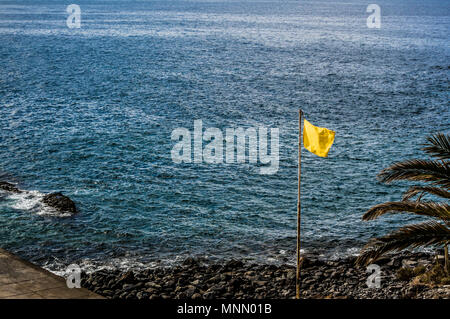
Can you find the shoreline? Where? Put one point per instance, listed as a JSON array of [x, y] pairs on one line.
[[20, 279], [234, 279]]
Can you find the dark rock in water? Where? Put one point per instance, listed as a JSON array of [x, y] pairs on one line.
[[9, 187], [60, 202]]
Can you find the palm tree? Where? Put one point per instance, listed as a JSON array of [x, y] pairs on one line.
[[436, 173]]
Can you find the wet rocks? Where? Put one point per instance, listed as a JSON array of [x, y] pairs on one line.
[[60, 202], [193, 279], [9, 187]]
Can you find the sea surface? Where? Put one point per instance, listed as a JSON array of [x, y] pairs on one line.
[[90, 112]]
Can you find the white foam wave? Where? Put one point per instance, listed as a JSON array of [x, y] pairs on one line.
[[123, 264], [31, 201]]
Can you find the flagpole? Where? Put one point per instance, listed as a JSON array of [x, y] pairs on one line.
[[297, 278]]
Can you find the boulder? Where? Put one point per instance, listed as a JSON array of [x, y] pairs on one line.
[[127, 278], [190, 262], [60, 202], [9, 187], [234, 264]]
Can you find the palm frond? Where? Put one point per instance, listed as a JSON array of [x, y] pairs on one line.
[[438, 146], [436, 172], [421, 190], [411, 236], [431, 209]]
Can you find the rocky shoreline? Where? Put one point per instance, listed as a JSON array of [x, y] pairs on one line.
[[233, 279]]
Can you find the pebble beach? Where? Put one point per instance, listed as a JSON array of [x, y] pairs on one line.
[[233, 279]]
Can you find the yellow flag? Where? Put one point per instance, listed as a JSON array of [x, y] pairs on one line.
[[317, 140]]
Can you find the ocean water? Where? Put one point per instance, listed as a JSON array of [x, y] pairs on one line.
[[90, 112]]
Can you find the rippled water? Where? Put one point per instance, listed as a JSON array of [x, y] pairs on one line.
[[90, 112]]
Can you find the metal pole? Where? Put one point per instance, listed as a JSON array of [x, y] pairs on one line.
[[297, 279]]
